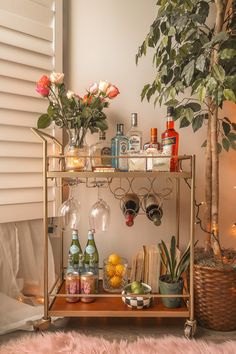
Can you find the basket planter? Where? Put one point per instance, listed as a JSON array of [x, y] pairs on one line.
[[215, 298]]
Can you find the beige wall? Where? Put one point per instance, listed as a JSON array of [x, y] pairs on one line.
[[103, 37]]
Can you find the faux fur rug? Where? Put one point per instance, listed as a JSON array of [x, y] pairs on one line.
[[74, 343]]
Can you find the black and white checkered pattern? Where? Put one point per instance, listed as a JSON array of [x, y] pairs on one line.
[[139, 301]]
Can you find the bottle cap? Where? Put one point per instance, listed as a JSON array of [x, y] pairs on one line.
[[90, 235], [129, 220], [134, 119], [153, 131], [120, 128], [102, 135], [170, 111]]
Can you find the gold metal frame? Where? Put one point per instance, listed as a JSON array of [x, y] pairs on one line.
[[55, 291]]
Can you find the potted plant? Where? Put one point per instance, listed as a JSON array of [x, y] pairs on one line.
[[76, 114], [172, 282], [196, 58]]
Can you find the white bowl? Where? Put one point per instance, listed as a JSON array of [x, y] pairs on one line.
[[135, 301]]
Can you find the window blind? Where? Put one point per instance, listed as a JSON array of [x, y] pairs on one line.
[[30, 46]]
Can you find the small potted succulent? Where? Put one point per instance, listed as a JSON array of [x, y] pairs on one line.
[[172, 282]]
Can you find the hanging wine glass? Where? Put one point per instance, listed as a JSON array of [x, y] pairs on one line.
[[70, 210], [99, 215]]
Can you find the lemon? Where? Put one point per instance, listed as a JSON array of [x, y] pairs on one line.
[[120, 269], [115, 281], [110, 270], [114, 259]]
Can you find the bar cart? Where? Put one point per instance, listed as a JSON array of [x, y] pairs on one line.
[[106, 304]]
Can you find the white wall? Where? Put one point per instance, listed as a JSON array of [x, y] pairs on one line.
[[103, 38]]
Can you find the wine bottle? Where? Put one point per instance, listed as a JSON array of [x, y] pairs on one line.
[[75, 248], [130, 208], [153, 209]]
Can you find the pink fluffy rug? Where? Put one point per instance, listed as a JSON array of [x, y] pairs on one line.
[[74, 343]]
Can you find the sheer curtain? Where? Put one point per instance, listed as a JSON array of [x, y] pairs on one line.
[[21, 271]]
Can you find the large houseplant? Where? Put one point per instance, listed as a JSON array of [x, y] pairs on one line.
[[195, 64]]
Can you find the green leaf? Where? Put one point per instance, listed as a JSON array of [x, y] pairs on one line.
[[227, 53], [226, 127], [229, 95], [233, 145], [194, 106], [171, 31], [218, 72], [172, 102], [188, 112], [44, 121], [184, 123], [200, 63], [231, 136], [219, 148], [204, 144], [197, 122], [226, 144], [202, 93], [179, 86], [188, 72], [145, 88]]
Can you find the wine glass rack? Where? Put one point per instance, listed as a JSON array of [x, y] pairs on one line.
[[106, 304]]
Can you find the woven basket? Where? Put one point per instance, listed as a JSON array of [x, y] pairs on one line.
[[215, 298]]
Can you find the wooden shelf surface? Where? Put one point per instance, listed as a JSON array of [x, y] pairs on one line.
[[111, 307]]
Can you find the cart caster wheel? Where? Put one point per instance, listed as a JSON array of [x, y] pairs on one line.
[[190, 329], [42, 325]]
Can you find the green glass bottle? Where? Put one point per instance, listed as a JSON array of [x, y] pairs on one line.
[[91, 248], [75, 248]]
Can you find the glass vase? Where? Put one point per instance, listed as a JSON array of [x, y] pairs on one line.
[[76, 153]]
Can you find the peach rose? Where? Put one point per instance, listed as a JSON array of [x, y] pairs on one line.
[[70, 94], [43, 85], [56, 78], [87, 99], [103, 86], [93, 89], [112, 91]]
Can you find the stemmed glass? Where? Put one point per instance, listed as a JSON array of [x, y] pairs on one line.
[[70, 210], [99, 215]]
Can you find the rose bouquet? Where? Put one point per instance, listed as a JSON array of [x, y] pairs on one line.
[[75, 113]]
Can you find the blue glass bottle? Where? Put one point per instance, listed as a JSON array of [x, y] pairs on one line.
[[119, 147]]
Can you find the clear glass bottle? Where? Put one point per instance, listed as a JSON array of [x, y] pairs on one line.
[[134, 135], [101, 152], [130, 208], [152, 148], [119, 147], [75, 248], [152, 208], [91, 248], [170, 140]]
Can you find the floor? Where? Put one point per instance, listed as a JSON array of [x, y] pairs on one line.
[[127, 329]]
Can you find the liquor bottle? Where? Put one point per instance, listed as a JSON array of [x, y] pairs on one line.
[[72, 281], [152, 208], [134, 135], [119, 147], [91, 248], [152, 147], [101, 153], [75, 248], [170, 140], [130, 208]]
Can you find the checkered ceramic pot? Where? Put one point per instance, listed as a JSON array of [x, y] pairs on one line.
[[138, 302]]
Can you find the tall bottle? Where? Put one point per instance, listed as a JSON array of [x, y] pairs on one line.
[[75, 248], [134, 135], [170, 140], [119, 147], [152, 208], [130, 208], [91, 249]]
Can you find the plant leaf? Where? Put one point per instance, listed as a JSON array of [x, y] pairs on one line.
[[200, 63], [226, 127], [184, 123], [226, 144], [44, 121], [229, 95], [197, 122], [218, 72]]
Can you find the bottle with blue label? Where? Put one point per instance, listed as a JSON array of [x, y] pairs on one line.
[[75, 248], [119, 147]]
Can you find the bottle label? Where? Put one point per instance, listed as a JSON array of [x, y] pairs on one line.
[[74, 249], [135, 143], [123, 163], [168, 144], [90, 249], [106, 151]]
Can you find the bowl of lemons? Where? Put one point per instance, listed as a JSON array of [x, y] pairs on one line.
[[115, 273], [137, 295]]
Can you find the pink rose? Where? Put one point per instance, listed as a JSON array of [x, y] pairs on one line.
[[112, 91], [56, 78], [93, 89], [103, 86], [44, 91]]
